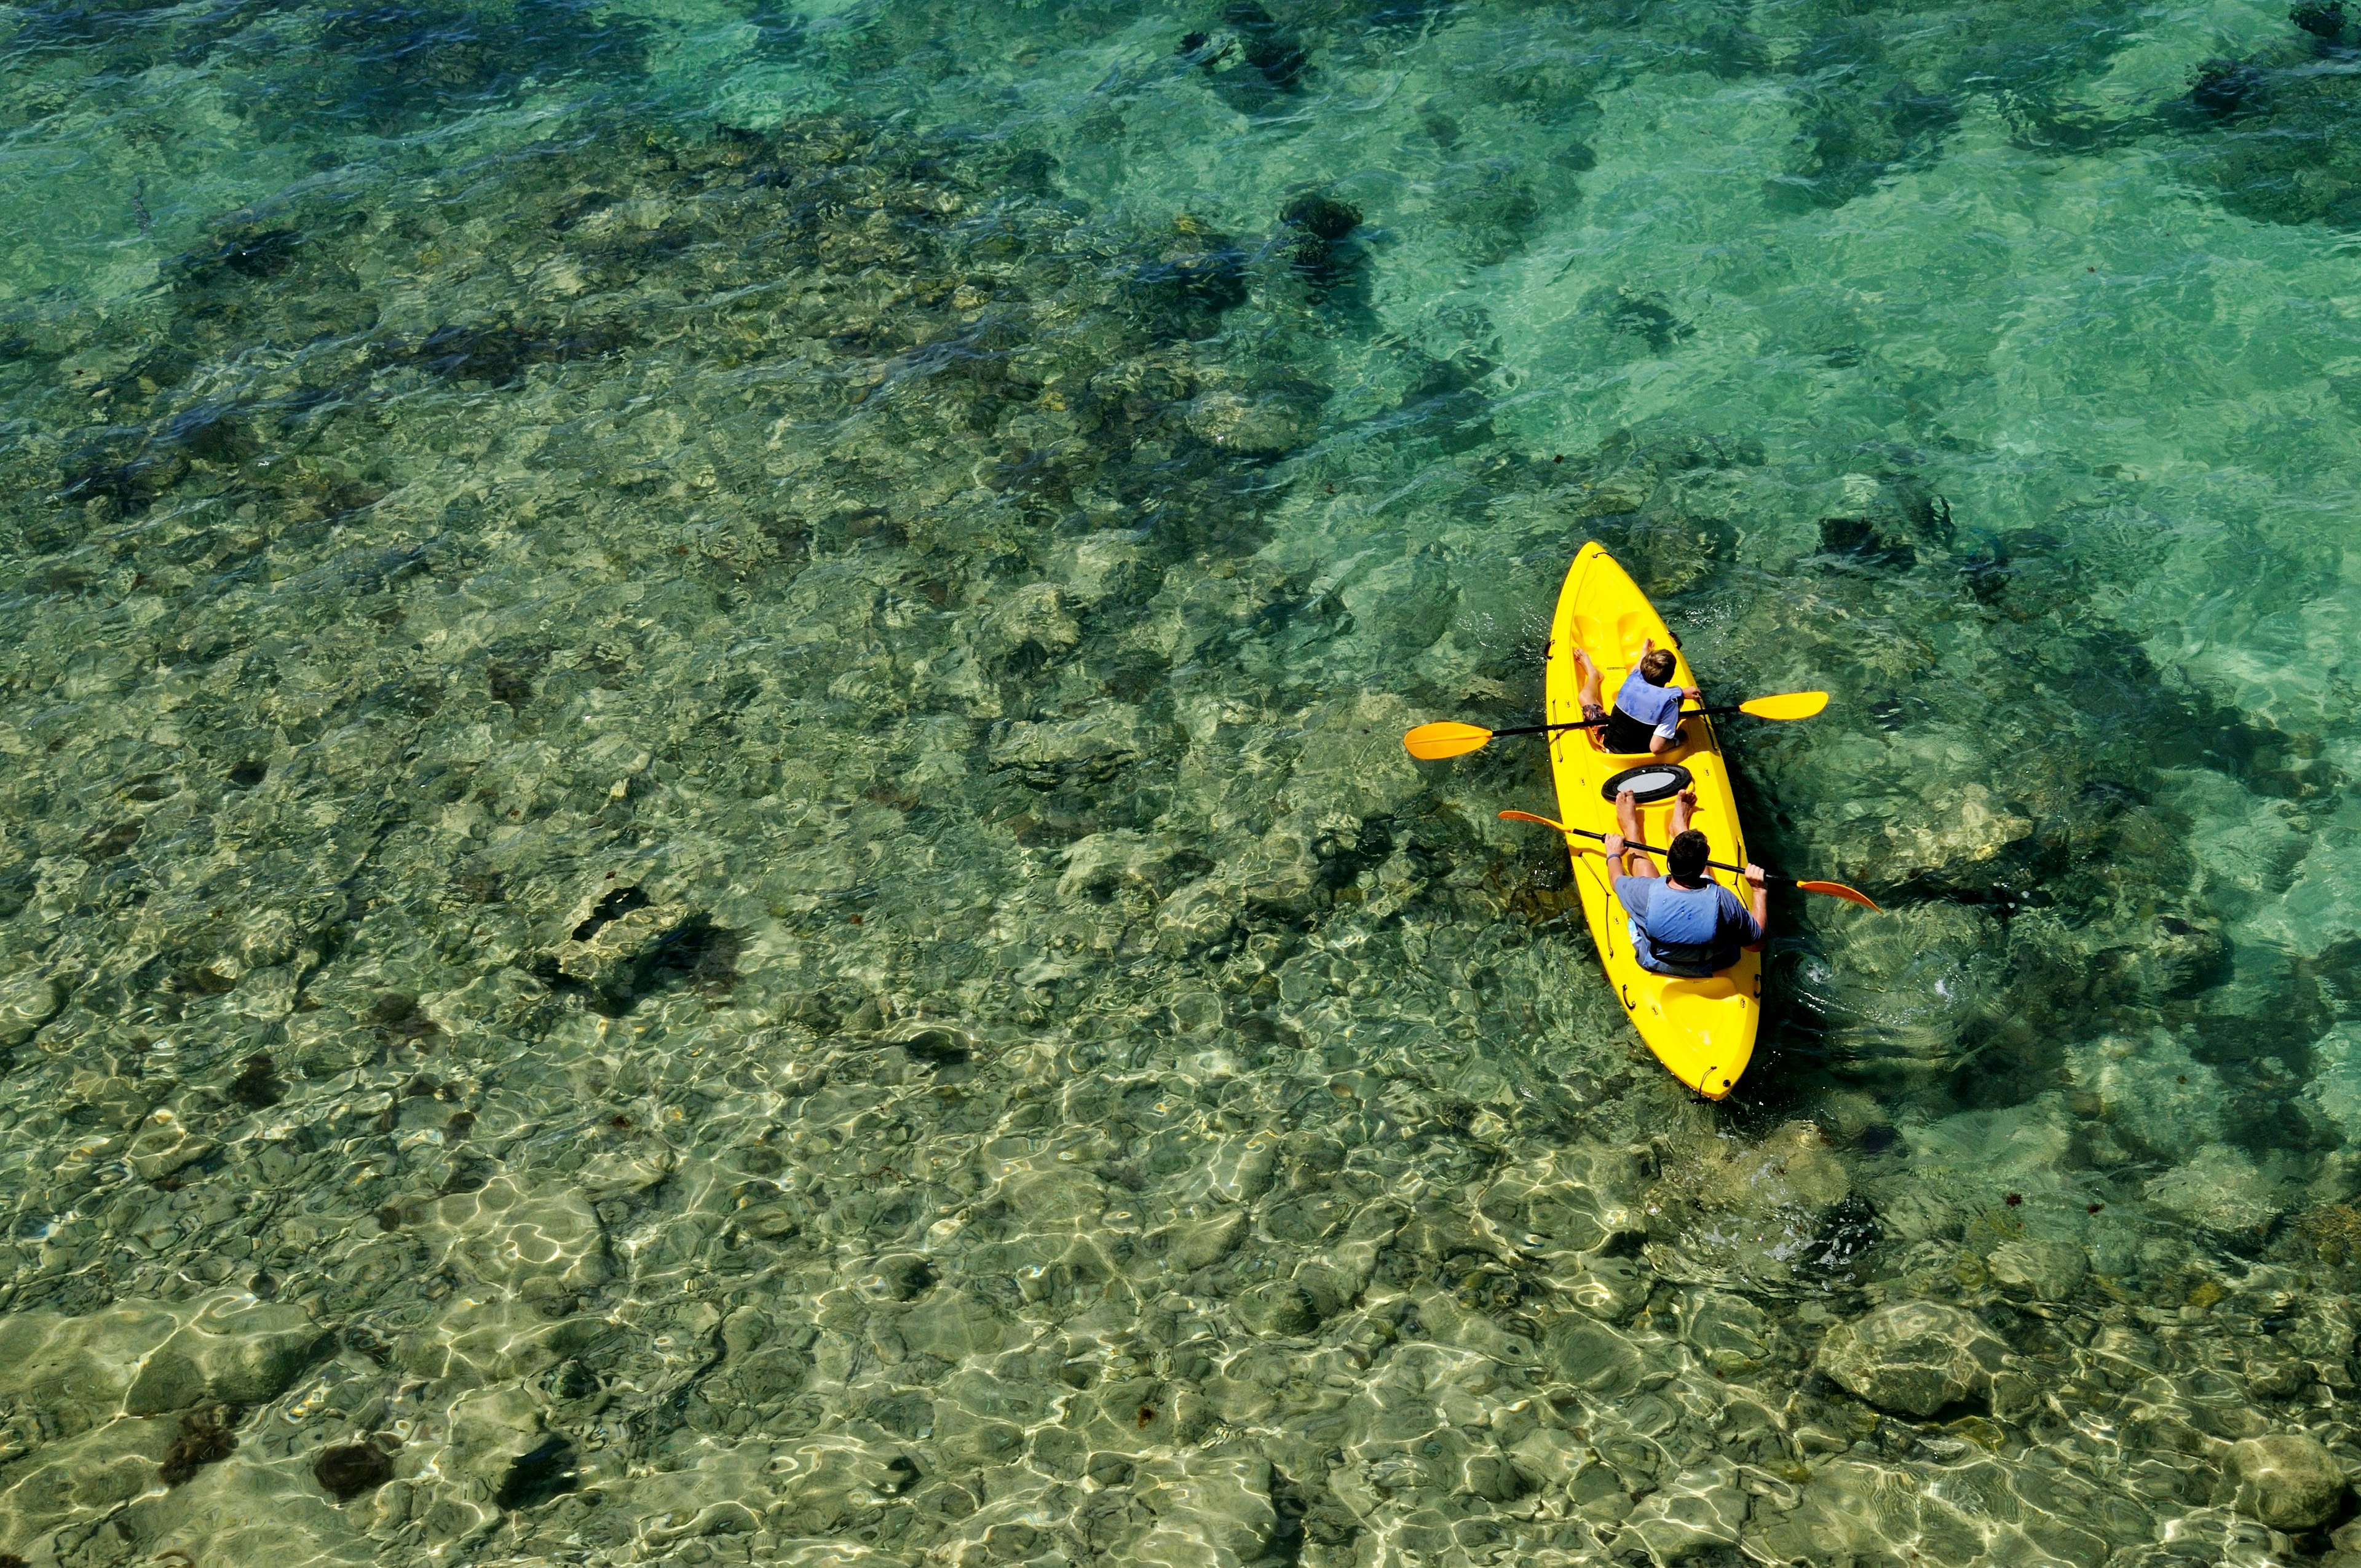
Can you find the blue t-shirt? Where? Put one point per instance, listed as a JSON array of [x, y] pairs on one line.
[[1688, 931], [1658, 708]]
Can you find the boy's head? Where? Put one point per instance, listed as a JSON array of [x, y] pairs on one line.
[[1685, 856], [1656, 666]]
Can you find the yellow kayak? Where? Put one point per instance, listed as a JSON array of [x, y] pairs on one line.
[[1703, 1030]]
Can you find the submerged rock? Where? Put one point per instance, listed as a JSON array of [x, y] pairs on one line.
[[1730, 1333], [2051, 1271], [95, 1473], [73, 1370], [1979, 1509], [2221, 1188], [2288, 1480], [150, 1358], [27, 1002], [1210, 1509], [510, 1233], [1917, 1358], [231, 1351], [1696, 1510], [1794, 1166], [1596, 1358]]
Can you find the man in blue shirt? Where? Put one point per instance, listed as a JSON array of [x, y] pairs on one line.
[[1683, 924], [1647, 713]]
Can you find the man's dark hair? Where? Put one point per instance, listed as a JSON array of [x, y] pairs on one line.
[[1686, 855], [1656, 666]]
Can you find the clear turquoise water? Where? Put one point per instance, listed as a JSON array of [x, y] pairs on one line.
[[706, 854]]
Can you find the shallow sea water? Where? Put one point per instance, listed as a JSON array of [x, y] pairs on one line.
[[705, 856]]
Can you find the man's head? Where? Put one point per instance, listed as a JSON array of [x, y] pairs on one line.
[[1656, 666], [1685, 856]]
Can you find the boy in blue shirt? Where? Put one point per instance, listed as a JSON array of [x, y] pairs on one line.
[[1647, 713], [1684, 923]]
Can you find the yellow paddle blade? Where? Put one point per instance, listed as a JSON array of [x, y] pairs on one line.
[[1838, 890], [1786, 704], [1432, 742]]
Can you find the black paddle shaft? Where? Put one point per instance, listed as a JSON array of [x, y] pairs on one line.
[[1595, 723]]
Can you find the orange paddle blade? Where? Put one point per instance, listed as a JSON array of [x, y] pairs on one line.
[[1528, 816], [1838, 890], [1432, 742]]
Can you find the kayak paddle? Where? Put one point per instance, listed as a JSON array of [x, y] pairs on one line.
[[1833, 889], [1432, 742]]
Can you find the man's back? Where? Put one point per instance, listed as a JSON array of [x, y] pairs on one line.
[[1692, 931]]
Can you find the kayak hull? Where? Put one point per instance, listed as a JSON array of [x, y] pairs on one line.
[[1702, 1030]]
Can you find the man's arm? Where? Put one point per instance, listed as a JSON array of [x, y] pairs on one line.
[[1761, 910]]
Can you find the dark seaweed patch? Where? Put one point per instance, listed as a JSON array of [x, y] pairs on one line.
[[249, 253], [1848, 142], [256, 1085], [696, 952], [1317, 237], [611, 908], [349, 1469], [499, 352], [106, 844], [2219, 88], [130, 487], [205, 1438], [1186, 293], [535, 1478], [398, 1021], [210, 432], [389, 67], [2322, 21], [1269, 50], [511, 681]]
